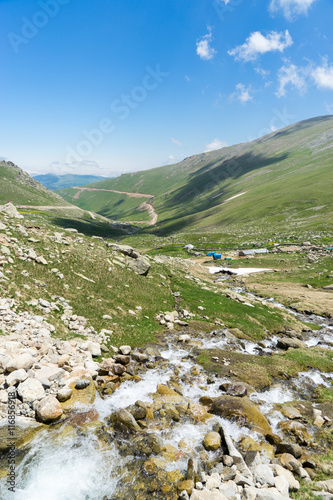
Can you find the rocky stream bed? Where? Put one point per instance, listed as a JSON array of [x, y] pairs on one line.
[[151, 423]]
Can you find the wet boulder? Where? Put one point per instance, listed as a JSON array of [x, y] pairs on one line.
[[48, 410], [167, 395], [292, 427], [234, 389], [286, 343], [241, 410], [125, 418], [212, 441]]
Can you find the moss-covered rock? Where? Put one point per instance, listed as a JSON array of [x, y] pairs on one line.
[[241, 410]]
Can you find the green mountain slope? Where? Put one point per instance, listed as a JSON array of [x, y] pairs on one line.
[[19, 188], [283, 178], [53, 182]]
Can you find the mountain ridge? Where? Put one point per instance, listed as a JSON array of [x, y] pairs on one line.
[[284, 174]]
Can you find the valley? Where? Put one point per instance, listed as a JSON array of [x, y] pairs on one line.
[[145, 368]]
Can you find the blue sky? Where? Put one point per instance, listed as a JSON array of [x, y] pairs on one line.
[[113, 86]]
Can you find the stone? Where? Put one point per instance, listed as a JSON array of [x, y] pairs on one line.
[[213, 481], [297, 429], [82, 383], [49, 372], [252, 459], [227, 460], [31, 390], [16, 377], [106, 366], [292, 449], [269, 494], [125, 350], [282, 485], [187, 485], [263, 475], [10, 210], [192, 469], [25, 430], [234, 389], [118, 369], [41, 260], [140, 266], [22, 361], [212, 441], [249, 493], [242, 410], [325, 485], [5, 359], [64, 394], [122, 360], [207, 495], [94, 348], [229, 489], [281, 471], [48, 409], [290, 412], [125, 418], [286, 343], [167, 395]]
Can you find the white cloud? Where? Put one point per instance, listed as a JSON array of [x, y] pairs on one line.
[[241, 94], [262, 72], [323, 76], [215, 144], [204, 50], [187, 78], [257, 44], [291, 75], [291, 8], [176, 142], [85, 167], [329, 108]]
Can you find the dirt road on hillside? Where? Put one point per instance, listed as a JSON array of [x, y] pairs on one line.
[[144, 206], [131, 195]]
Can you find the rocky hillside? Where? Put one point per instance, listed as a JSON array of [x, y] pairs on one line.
[[148, 377], [17, 187]]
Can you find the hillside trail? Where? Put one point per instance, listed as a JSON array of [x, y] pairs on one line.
[[144, 206], [131, 195]]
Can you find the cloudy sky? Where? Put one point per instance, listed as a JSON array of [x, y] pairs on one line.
[[110, 86]]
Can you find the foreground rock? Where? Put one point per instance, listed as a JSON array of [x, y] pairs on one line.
[[48, 410]]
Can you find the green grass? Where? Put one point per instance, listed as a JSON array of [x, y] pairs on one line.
[[115, 206], [286, 176], [19, 188], [255, 322], [260, 371]]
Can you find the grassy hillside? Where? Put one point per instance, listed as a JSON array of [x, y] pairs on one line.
[[53, 182], [19, 188], [283, 179], [116, 206]]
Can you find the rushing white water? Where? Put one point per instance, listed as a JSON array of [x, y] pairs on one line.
[[72, 468], [130, 391], [315, 377], [75, 466]]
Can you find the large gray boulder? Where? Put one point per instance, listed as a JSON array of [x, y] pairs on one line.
[[10, 210], [22, 361], [31, 390], [140, 265], [263, 475]]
